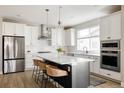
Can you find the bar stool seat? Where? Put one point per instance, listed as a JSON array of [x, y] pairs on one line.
[[55, 72]]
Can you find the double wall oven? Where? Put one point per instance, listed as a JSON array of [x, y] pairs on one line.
[[110, 55]]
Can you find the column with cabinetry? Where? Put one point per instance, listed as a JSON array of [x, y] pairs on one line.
[[31, 38]]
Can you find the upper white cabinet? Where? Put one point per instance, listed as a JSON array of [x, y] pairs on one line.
[[58, 37], [14, 29], [28, 36], [20, 29], [8, 28], [110, 27], [61, 37], [70, 37]]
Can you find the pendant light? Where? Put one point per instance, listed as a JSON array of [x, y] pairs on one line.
[[47, 27], [59, 20]]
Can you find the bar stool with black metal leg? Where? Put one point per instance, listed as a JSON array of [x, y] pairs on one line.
[[35, 69], [55, 72], [42, 77]]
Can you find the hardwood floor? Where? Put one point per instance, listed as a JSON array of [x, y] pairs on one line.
[[18, 80], [25, 80]]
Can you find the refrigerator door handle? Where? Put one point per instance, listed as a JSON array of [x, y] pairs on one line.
[[16, 48]]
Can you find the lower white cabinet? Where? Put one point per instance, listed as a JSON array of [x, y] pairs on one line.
[[28, 61], [95, 65], [110, 74], [95, 68]]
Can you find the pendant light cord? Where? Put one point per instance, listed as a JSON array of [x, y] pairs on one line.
[[59, 22], [47, 10]]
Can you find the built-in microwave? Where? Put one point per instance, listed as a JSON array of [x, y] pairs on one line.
[[110, 44]]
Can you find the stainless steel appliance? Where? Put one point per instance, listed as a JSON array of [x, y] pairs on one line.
[[110, 44], [13, 54], [110, 55]]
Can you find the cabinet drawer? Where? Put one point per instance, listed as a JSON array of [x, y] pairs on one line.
[[110, 74]]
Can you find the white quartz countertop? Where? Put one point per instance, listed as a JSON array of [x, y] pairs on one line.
[[82, 53], [62, 59]]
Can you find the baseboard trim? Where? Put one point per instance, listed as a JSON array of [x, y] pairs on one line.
[[122, 84]]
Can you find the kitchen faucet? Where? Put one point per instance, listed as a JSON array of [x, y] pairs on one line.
[[85, 49]]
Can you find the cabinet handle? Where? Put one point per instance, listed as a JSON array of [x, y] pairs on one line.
[[109, 74], [109, 37], [28, 51]]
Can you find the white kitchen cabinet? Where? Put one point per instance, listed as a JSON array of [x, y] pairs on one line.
[[20, 28], [28, 61], [28, 36], [31, 40], [104, 29], [34, 37], [110, 27], [115, 26], [58, 37], [110, 74], [14, 29], [9, 28], [70, 37], [95, 65]]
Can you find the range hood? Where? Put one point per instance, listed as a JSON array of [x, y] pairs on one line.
[[45, 32]]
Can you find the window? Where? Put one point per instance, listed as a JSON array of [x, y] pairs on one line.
[[88, 38]]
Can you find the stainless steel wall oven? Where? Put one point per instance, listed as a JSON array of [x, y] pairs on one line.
[[110, 55]]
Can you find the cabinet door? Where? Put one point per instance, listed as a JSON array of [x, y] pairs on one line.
[[35, 31], [9, 28], [110, 74], [28, 61], [61, 37], [20, 29], [115, 26], [54, 37], [70, 37], [91, 66], [28, 36], [105, 28], [96, 66]]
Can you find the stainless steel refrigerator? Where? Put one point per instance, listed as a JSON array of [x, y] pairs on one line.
[[13, 54]]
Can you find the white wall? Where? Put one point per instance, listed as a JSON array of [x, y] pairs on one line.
[[0, 45], [122, 49]]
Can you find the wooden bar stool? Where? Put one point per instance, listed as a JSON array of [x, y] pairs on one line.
[[35, 69], [42, 72], [55, 72]]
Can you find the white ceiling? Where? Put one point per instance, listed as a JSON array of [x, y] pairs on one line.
[[35, 14]]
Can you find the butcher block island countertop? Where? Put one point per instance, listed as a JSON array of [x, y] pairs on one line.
[[78, 69]]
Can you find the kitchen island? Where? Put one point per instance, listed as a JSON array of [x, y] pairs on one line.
[[78, 69]]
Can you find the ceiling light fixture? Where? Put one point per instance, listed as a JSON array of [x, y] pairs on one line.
[[59, 20], [47, 27]]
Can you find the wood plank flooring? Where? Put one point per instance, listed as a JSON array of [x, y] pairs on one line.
[[25, 80]]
